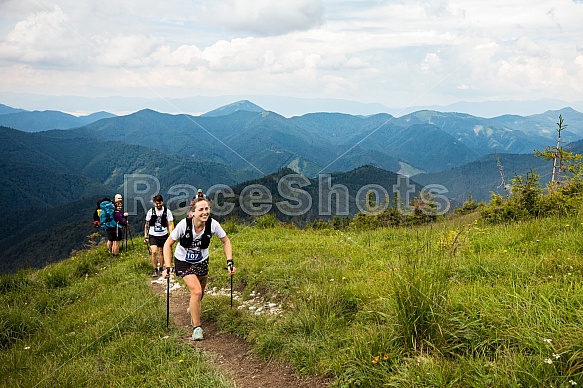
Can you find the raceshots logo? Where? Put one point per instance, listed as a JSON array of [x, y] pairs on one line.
[[296, 195]]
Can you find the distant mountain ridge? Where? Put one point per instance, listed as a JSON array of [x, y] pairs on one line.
[[285, 105], [243, 105], [246, 137], [38, 121], [4, 109]]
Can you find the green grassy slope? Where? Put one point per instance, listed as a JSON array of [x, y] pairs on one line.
[[457, 303]]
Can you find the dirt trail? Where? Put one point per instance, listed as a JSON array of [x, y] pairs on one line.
[[232, 356]]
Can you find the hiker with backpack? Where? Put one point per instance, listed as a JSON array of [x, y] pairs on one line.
[[108, 217], [115, 229], [159, 223], [200, 194], [191, 257], [97, 212]]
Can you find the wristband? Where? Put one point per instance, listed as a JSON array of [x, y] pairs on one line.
[[230, 263], [168, 269]]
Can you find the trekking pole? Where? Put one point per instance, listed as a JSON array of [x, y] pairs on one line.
[[130, 232], [231, 291], [230, 268], [148, 245], [168, 299]]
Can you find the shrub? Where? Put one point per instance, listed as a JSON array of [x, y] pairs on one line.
[[362, 221], [467, 207], [267, 221], [230, 226], [525, 202], [528, 201]]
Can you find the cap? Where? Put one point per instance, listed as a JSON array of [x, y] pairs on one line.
[[199, 191]]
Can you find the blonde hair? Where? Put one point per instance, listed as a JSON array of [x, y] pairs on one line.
[[197, 200]]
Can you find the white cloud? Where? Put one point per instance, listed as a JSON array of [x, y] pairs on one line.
[[434, 51], [430, 62], [265, 17], [124, 51], [185, 56], [237, 55], [35, 38], [436, 8]]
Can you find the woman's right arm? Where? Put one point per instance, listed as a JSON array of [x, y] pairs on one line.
[[167, 250]]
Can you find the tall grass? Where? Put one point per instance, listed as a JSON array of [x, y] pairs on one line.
[[419, 295]]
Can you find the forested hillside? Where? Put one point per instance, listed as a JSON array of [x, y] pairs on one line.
[[50, 186]]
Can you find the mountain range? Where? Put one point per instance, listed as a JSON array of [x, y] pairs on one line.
[[287, 106], [36, 121], [246, 137], [53, 161]]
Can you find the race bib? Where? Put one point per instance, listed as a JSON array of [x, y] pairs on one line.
[[193, 256]]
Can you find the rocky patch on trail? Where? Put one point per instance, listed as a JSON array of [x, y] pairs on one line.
[[255, 304]]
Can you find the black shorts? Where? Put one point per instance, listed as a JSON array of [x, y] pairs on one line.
[[183, 268], [115, 234], [157, 240]]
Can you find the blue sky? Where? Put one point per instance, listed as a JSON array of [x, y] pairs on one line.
[[395, 53]]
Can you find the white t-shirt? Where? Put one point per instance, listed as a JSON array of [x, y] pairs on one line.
[[155, 228], [180, 253]]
